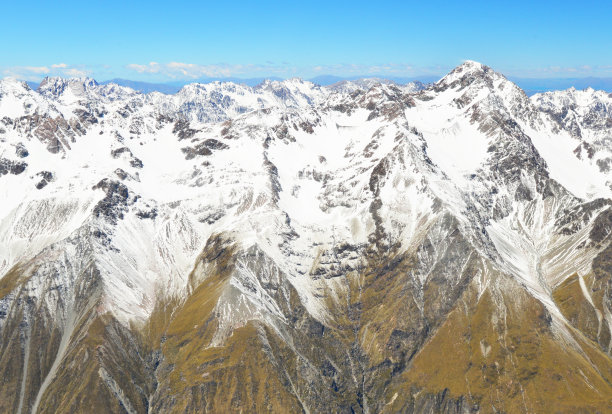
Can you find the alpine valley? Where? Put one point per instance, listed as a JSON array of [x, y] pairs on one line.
[[364, 247]]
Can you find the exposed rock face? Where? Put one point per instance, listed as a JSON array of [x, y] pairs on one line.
[[11, 167], [45, 178], [364, 247]]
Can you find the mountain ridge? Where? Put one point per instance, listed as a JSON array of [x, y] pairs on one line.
[[306, 248], [531, 86]]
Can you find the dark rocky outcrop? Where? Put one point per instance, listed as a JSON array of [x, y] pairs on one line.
[[11, 167]]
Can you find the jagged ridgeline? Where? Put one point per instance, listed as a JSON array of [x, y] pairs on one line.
[[365, 247]]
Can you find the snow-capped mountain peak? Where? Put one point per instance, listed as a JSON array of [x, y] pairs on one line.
[[347, 232]]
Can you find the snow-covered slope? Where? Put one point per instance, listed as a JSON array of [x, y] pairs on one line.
[[587, 117], [365, 209]]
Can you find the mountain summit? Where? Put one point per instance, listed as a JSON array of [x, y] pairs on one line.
[[362, 247]]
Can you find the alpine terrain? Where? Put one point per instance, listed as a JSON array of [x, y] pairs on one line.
[[365, 247]]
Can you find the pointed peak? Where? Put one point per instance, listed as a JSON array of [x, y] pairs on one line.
[[469, 72], [472, 64], [67, 89], [57, 81], [469, 68], [49, 80], [194, 89], [291, 83]]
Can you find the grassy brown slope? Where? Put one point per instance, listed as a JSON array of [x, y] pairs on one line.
[[24, 337], [196, 377], [600, 284], [103, 371], [584, 316], [30, 341], [391, 343], [575, 307], [11, 281], [498, 352], [399, 312]]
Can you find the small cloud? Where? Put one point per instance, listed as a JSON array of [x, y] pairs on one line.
[[36, 73], [190, 71], [35, 69], [152, 67], [556, 71], [352, 69], [186, 70], [26, 72], [194, 71]]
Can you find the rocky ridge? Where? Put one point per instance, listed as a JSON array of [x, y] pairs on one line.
[[291, 247]]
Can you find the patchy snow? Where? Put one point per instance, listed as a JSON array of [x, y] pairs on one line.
[[291, 170]]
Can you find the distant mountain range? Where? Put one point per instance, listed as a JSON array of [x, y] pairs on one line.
[[534, 85], [531, 86]]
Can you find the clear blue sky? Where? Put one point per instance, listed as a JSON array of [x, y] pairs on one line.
[[181, 40]]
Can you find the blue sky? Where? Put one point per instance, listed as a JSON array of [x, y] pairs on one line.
[[184, 40]]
